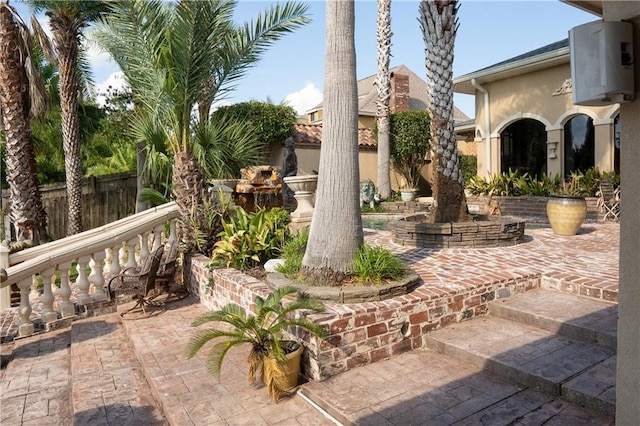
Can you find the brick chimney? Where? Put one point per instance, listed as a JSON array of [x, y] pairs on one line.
[[399, 93]]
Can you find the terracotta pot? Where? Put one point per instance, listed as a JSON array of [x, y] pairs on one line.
[[290, 368], [566, 214]]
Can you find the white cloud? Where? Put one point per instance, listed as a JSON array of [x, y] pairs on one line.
[[115, 81], [304, 99]]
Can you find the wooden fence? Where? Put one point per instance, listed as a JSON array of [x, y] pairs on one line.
[[104, 199]]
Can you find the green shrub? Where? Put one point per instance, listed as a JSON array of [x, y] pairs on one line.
[[271, 123], [292, 253], [374, 264], [514, 183], [250, 239], [468, 166], [410, 137], [367, 209]]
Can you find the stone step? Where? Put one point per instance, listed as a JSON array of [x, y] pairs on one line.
[[533, 357], [578, 318], [108, 385]]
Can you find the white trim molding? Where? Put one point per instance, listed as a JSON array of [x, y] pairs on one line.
[[518, 116]]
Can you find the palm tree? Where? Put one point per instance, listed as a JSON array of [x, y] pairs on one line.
[[383, 84], [21, 96], [336, 228], [263, 331], [176, 56], [67, 19], [439, 24]]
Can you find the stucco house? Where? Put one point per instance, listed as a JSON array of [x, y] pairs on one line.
[[408, 92], [525, 118]]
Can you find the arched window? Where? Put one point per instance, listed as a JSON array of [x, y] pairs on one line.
[[524, 147], [616, 144], [579, 144]]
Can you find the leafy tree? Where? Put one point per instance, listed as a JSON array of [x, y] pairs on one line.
[[439, 24], [336, 228], [178, 55], [271, 123], [20, 98]]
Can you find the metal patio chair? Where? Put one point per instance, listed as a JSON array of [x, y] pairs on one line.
[[139, 282], [609, 200]]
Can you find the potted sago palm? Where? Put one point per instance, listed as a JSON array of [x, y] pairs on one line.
[[273, 359]]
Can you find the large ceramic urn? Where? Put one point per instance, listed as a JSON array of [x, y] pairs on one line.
[[566, 214]]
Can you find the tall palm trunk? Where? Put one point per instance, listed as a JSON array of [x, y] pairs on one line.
[[336, 228], [26, 210], [65, 36], [188, 187], [383, 84], [439, 24]]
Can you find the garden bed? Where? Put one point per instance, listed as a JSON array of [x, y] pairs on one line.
[[484, 231]]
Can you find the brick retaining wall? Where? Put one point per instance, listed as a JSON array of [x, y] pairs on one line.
[[358, 333], [532, 209]]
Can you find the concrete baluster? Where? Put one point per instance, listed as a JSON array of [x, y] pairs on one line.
[[35, 292], [25, 326], [144, 246], [173, 234], [5, 292], [83, 282], [114, 267], [49, 278], [66, 307], [131, 252], [157, 237], [98, 276]]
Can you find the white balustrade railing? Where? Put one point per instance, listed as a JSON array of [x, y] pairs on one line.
[[100, 249]]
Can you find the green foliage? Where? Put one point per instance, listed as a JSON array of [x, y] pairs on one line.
[[468, 166], [224, 145], [250, 239], [271, 124], [293, 252], [263, 331], [515, 183], [206, 223], [410, 141], [376, 209], [373, 264]]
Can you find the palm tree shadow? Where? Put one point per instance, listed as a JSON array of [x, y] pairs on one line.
[[120, 414]]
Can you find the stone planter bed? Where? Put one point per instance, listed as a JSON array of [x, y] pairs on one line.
[[350, 294], [485, 231], [365, 332]]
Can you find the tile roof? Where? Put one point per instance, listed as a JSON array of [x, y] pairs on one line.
[[310, 135], [367, 94]]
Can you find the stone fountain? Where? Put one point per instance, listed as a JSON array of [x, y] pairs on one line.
[[259, 187]]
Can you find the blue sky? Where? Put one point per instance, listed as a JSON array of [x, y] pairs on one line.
[[489, 32]]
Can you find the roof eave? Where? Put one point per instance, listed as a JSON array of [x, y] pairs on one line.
[[463, 84], [591, 6]]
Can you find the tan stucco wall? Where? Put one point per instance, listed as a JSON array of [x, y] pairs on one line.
[[628, 362], [530, 96], [309, 161]]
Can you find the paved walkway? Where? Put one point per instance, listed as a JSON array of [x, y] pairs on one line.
[[109, 386]]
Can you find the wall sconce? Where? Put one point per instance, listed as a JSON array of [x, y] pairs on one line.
[[553, 146]]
